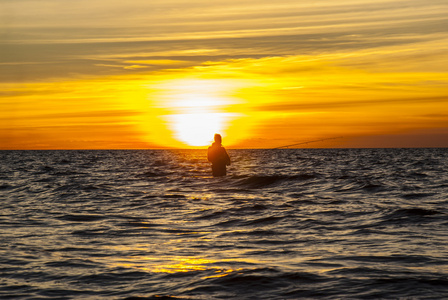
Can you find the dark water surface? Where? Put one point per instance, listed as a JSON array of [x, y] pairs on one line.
[[284, 224]]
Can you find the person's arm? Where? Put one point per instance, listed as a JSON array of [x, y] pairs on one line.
[[227, 157], [209, 154]]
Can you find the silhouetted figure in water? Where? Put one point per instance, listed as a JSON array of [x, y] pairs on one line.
[[218, 156]]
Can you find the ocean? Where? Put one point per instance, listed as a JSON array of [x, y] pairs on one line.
[[283, 224]]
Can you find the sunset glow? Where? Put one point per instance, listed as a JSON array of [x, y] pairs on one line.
[[195, 109], [263, 75], [197, 129]]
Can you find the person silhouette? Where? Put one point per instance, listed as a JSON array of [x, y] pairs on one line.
[[218, 156]]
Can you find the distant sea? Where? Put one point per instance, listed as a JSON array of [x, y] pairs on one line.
[[283, 224]]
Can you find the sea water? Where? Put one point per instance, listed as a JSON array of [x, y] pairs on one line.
[[283, 224]]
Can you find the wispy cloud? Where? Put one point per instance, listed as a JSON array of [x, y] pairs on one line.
[[301, 64], [67, 36]]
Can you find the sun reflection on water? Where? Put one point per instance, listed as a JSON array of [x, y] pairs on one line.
[[173, 264]]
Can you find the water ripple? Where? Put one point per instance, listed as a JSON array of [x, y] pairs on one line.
[[284, 224]]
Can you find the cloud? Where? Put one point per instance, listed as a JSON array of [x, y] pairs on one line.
[[50, 39], [346, 63], [344, 105], [100, 115]]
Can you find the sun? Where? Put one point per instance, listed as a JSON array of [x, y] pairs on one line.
[[198, 129], [197, 109], [191, 110]]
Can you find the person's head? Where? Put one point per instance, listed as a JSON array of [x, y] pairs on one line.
[[218, 138]]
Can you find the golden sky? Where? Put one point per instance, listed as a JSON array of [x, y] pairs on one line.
[[131, 74]]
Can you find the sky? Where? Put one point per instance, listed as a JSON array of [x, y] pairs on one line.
[[156, 74]]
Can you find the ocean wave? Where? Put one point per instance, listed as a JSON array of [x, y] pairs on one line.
[[266, 181], [81, 218], [283, 224]]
